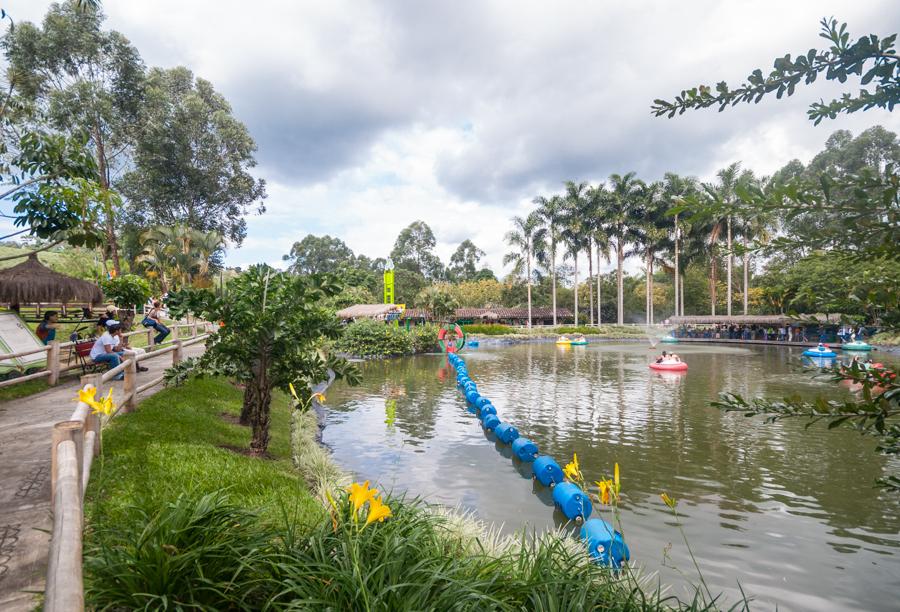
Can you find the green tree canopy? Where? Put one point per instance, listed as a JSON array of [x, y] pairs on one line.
[[464, 261], [192, 159], [79, 78], [315, 254], [414, 251]]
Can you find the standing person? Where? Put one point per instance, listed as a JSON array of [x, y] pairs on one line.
[[105, 348], [46, 329], [154, 320]]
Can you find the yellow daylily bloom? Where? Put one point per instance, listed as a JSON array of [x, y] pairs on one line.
[[360, 494], [293, 391], [88, 397], [106, 405], [319, 397], [604, 488], [378, 511], [572, 470], [616, 480], [671, 502]]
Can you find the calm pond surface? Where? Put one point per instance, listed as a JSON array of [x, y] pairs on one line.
[[790, 513]]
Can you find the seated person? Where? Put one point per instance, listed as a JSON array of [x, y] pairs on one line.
[[46, 329], [662, 357], [123, 345], [108, 315], [153, 319], [105, 349]]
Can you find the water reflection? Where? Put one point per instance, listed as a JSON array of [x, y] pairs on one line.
[[790, 512]]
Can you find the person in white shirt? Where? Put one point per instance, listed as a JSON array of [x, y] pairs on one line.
[[105, 349]]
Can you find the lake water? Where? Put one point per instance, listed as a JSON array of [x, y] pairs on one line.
[[790, 513]]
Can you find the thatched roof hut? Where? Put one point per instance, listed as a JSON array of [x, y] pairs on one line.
[[32, 282], [367, 311]]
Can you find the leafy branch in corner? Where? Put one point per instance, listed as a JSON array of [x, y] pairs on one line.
[[874, 60], [876, 414]]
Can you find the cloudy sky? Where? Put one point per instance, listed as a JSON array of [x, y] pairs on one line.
[[371, 115]]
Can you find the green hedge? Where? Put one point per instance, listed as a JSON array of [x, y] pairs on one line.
[[377, 339], [603, 330], [489, 330]]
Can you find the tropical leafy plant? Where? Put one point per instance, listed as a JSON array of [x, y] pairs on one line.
[[273, 325], [126, 291]]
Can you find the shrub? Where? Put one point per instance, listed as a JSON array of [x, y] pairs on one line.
[[424, 338], [126, 291], [489, 329], [375, 339]]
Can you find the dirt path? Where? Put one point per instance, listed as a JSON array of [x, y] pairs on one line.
[[25, 513]]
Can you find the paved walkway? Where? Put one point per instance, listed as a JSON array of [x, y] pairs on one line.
[[25, 509]]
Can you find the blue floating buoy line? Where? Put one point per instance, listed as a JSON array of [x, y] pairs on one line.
[[604, 544]]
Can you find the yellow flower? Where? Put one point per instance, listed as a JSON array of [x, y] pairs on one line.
[[319, 397], [88, 397], [334, 510], [572, 470], [604, 488], [293, 392], [378, 511], [105, 405], [616, 480], [360, 494], [671, 502]]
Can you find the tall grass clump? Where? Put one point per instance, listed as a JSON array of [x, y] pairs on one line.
[[204, 553]]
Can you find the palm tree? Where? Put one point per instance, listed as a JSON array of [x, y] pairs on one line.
[[599, 196], [654, 230], [527, 236], [581, 219], [756, 226], [551, 212], [712, 231], [181, 251], [574, 242], [675, 189], [619, 212], [728, 181], [206, 245]]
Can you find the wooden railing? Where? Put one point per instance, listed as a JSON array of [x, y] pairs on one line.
[[60, 352], [75, 443]]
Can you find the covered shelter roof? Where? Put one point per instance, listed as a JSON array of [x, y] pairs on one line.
[[367, 311], [732, 320], [32, 282]]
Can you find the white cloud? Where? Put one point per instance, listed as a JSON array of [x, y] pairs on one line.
[[371, 115]]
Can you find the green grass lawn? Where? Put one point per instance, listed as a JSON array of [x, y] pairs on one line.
[[177, 442]]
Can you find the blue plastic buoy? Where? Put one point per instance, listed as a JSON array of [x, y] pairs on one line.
[[487, 409], [604, 544], [482, 401], [506, 433], [524, 449], [472, 343], [572, 501], [547, 471], [490, 422], [472, 397]]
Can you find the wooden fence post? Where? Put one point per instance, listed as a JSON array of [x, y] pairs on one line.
[[130, 384], [194, 330], [65, 430], [150, 337], [53, 363], [177, 354]]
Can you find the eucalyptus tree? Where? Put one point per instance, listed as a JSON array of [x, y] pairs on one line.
[[193, 160], [527, 237], [76, 77], [551, 212], [619, 213]]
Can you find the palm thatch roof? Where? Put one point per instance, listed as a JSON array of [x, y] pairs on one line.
[[732, 320], [367, 311], [32, 282]]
